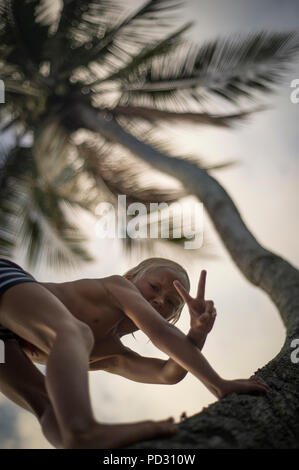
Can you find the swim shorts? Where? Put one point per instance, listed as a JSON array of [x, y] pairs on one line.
[[10, 275]]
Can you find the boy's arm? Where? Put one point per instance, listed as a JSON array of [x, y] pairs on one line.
[[164, 335], [174, 343], [173, 369], [135, 367]]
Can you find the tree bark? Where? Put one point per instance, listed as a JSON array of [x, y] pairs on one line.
[[236, 421]]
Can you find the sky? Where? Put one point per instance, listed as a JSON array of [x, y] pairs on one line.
[[248, 331]]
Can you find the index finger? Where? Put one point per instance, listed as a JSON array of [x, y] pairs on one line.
[[202, 284], [182, 291]]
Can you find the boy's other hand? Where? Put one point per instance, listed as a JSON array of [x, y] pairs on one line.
[[253, 384]]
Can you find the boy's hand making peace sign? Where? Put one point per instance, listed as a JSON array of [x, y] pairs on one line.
[[202, 312]]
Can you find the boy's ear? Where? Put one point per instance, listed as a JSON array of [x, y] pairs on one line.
[[129, 276]]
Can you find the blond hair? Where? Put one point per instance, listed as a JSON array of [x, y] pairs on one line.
[[151, 263]]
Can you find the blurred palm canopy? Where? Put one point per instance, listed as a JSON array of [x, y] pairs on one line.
[[66, 64]]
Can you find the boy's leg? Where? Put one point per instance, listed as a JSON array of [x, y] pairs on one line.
[[24, 384], [36, 315], [33, 313]]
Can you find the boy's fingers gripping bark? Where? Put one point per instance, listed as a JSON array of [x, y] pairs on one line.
[[260, 383], [168, 426]]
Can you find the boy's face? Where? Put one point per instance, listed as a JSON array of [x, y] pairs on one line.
[[156, 286]]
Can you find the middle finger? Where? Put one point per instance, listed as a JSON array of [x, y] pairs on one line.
[[202, 285]]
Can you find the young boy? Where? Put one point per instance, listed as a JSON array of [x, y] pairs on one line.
[[74, 327]]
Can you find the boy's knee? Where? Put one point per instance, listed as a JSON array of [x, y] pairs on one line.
[[87, 334], [79, 328], [73, 328]]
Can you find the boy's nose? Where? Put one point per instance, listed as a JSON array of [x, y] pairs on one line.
[[157, 302]]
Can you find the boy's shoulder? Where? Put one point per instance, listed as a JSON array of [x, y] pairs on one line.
[[120, 287], [118, 281]]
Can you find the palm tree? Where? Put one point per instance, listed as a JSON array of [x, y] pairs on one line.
[[119, 82], [93, 67], [245, 421]]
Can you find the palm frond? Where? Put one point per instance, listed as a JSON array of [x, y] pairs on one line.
[[116, 180], [79, 22], [148, 134], [232, 69], [15, 165], [154, 115], [81, 27], [140, 21], [33, 212], [220, 166], [118, 39], [47, 15], [88, 49], [113, 178], [146, 54], [165, 230], [21, 43], [45, 232], [22, 36], [63, 168]]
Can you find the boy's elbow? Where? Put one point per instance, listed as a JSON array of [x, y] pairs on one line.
[[174, 381], [171, 379]]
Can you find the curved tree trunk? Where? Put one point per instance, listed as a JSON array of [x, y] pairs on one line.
[[236, 421]]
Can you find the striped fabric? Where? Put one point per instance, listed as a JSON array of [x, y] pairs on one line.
[[10, 275]]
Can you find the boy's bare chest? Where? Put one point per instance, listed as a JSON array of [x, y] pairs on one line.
[[102, 319], [89, 303], [102, 323], [99, 316]]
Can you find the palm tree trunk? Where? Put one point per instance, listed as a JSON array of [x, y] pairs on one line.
[[236, 421]]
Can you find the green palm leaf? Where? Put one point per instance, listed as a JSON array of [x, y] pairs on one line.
[[113, 178], [232, 69], [33, 211], [46, 233], [22, 35], [155, 116], [146, 54], [98, 33]]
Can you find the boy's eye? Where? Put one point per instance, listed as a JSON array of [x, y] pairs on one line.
[[153, 286], [170, 302]]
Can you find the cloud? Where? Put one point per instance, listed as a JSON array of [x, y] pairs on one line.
[[222, 17]]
